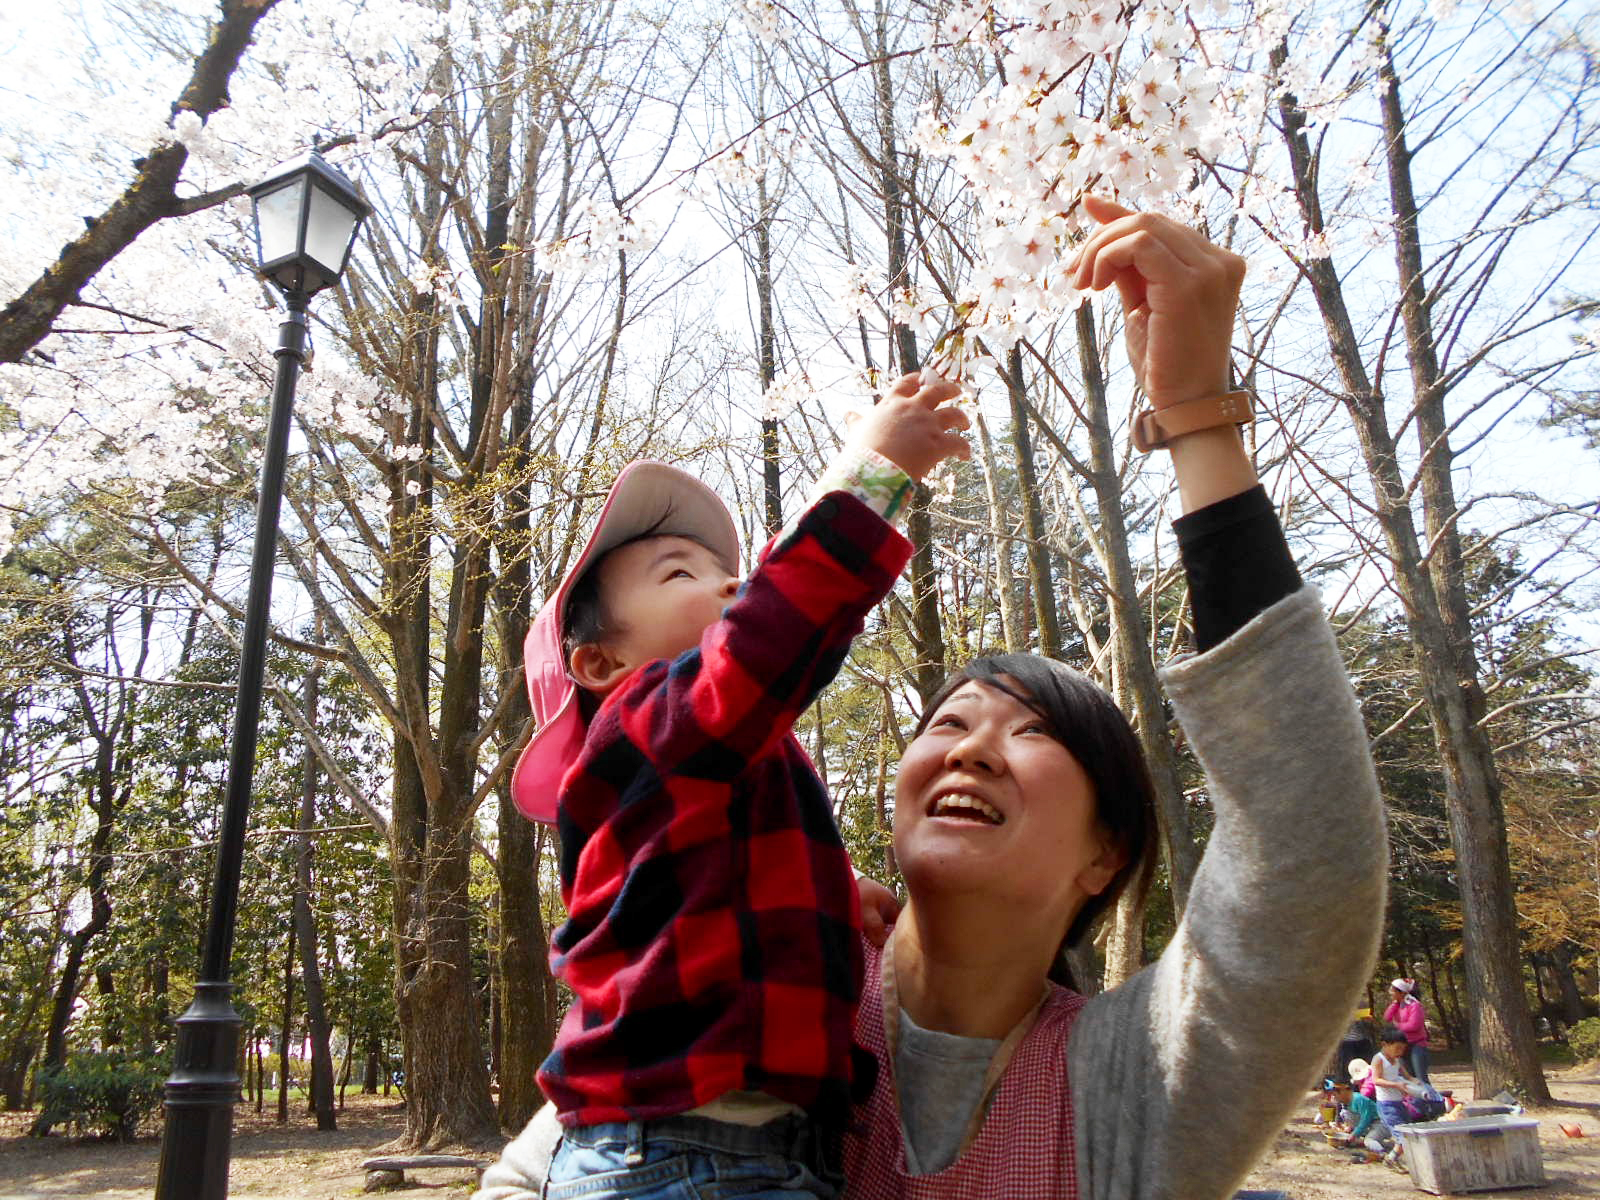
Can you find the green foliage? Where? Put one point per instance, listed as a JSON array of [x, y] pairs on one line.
[[107, 1094], [1584, 1038]]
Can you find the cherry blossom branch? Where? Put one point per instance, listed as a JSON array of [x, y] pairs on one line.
[[151, 197]]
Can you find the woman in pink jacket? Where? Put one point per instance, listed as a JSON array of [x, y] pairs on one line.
[[1406, 1013]]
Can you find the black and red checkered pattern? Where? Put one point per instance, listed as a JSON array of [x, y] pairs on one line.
[[712, 934]]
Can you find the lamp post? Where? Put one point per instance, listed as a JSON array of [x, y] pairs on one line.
[[307, 215]]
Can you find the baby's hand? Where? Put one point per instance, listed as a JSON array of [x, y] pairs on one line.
[[879, 908], [914, 425]]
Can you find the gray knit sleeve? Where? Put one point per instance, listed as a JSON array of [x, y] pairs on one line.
[[1280, 932]]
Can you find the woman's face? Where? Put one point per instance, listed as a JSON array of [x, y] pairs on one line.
[[1396, 995], [988, 800]]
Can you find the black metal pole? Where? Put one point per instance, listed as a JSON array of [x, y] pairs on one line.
[[204, 1084]]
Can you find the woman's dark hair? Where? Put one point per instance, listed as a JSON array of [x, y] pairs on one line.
[[1086, 720]]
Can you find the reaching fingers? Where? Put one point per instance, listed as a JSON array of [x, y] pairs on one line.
[[1142, 251], [1166, 244]]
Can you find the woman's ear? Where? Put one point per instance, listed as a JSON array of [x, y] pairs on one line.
[[1098, 873], [595, 668]]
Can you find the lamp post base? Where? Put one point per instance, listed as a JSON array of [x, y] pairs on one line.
[[201, 1093]]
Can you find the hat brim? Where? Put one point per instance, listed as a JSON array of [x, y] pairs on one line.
[[648, 499]]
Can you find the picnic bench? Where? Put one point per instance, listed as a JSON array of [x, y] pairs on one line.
[[390, 1170]]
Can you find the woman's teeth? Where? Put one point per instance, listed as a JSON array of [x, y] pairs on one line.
[[967, 808]]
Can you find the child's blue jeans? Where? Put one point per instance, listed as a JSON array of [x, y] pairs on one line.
[[1392, 1113], [695, 1158]]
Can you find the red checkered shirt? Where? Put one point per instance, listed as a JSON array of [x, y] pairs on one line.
[[712, 938]]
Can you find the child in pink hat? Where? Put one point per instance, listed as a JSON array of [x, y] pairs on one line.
[[712, 940]]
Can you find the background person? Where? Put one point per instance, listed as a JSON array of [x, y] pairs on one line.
[[1406, 1013]]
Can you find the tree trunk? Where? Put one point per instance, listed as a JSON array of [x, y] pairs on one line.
[[55, 1042], [1010, 623], [1503, 1043], [287, 1028], [528, 1002], [1125, 940], [306, 929], [14, 1067], [430, 835], [767, 337], [929, 668], [1137, 687], [1570, 1003], [1046, 614], [344, 1072]]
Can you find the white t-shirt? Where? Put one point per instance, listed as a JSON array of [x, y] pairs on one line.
[[1386, 1077]]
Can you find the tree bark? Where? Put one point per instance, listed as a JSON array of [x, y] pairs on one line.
[[1137, 687], [430, 835], [306, 930], [930, 667], [767, 361], [1046, 614], [1503, 1043], [287, 1028], [1010, 623]]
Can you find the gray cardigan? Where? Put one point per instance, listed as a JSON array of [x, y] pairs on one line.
[[1280, 933]]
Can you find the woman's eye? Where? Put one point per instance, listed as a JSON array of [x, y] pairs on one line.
[[946, 722], [680, 573]]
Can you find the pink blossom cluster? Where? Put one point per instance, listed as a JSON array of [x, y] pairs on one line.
[[602, 230], [1090, 94]]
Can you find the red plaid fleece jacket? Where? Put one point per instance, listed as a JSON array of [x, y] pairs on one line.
[[712, 941]]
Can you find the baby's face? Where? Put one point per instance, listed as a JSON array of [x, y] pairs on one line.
[[659, 595]]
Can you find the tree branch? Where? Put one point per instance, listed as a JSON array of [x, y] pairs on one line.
[[152, 196]]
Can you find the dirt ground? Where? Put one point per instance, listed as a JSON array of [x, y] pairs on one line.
[[1302, 1164], [298, 1163]]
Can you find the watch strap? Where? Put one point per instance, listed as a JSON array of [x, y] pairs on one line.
[[1155, 427]]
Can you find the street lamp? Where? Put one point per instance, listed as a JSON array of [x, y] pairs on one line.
[[307, 215]]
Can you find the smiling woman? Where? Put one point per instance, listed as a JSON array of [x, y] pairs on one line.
[[1002, 729], [1024, 809]]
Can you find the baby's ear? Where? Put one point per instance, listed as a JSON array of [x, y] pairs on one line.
[[595, 668]]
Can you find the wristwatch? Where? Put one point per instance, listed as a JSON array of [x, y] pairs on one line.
[[1155, 427]]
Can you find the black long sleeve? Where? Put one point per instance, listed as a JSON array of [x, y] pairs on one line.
[[1237, 561]]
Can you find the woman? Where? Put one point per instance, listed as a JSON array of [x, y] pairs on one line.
[[1405, 1012], [1022, 810]]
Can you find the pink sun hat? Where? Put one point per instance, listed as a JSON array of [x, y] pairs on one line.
[[647, 498]]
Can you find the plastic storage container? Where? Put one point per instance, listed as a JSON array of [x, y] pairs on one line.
[[1476, 1154]]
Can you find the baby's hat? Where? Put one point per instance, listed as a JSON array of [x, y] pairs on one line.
[[648, 498]]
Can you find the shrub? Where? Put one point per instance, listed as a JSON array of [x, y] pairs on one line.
[[106, 1094], [1584, 1038]]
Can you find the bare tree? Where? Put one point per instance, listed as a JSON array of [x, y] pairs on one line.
[[1471, 340]]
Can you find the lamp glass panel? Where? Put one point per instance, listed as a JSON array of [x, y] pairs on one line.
[[329, 231], [278, 220]]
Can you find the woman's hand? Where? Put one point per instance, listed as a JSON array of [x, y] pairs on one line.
[[1179, 295]]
